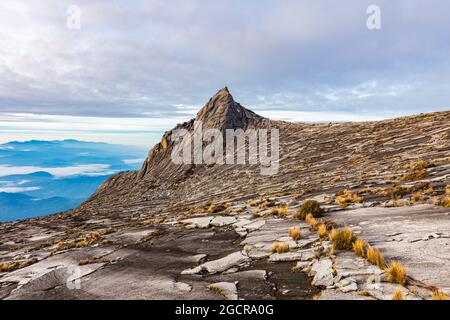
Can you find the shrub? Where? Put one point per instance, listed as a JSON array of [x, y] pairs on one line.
[[322, 231], [396, 273], [346, 197], [309, 207], [253, 203], [344, 239], [375, 257], [294, 233], [398, 295], [359, 248], [439, 295]]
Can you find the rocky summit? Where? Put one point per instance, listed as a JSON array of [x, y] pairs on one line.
[[355, 211]]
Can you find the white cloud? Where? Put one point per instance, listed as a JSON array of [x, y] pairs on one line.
[[86, 170], [133, 161], [301, 116], [18, 189]]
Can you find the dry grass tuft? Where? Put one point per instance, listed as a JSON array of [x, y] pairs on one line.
[[322, 231], [375, 257], [284, 247], [398, 295], [311, 221], [439, 295], [415, 175], [333, 234], [359, 247], [281, 211], [397, 273], [418, 165], [416, 197], [345, 197], [295, 233], [343, 239], [280, 247], [309, 207], [443, 202]]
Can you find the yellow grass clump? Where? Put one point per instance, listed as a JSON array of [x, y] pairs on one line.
[[322, 231], [439, 295], [344, 239], [295, 233], [345, 197], [397, 273], [418, 165], [280, 247], [416, 197], [281, 211], [444, 202], [333, 234], [310, 220], [398, 295], [415, 175], [375, 257], [359, 247]]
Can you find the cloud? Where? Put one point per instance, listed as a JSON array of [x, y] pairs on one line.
[[133, 161], [161, 60], [85, 170], [18, 189]]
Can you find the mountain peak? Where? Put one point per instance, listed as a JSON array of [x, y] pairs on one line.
[[222, 112]]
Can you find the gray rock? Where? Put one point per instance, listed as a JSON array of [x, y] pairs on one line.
[[322, 271], [226, 289], [288, 256], [220, 265], [201, 223], [222, 221]]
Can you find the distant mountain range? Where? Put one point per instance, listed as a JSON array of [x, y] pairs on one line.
[[44, 177]]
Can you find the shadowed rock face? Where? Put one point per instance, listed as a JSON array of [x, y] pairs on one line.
[[148, 234]]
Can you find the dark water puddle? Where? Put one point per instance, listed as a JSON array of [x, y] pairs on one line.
[[285, 284]]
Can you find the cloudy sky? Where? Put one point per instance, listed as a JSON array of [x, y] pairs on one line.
[[135, 68]]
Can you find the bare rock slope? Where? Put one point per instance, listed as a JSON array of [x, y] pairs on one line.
[[175, 231]]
